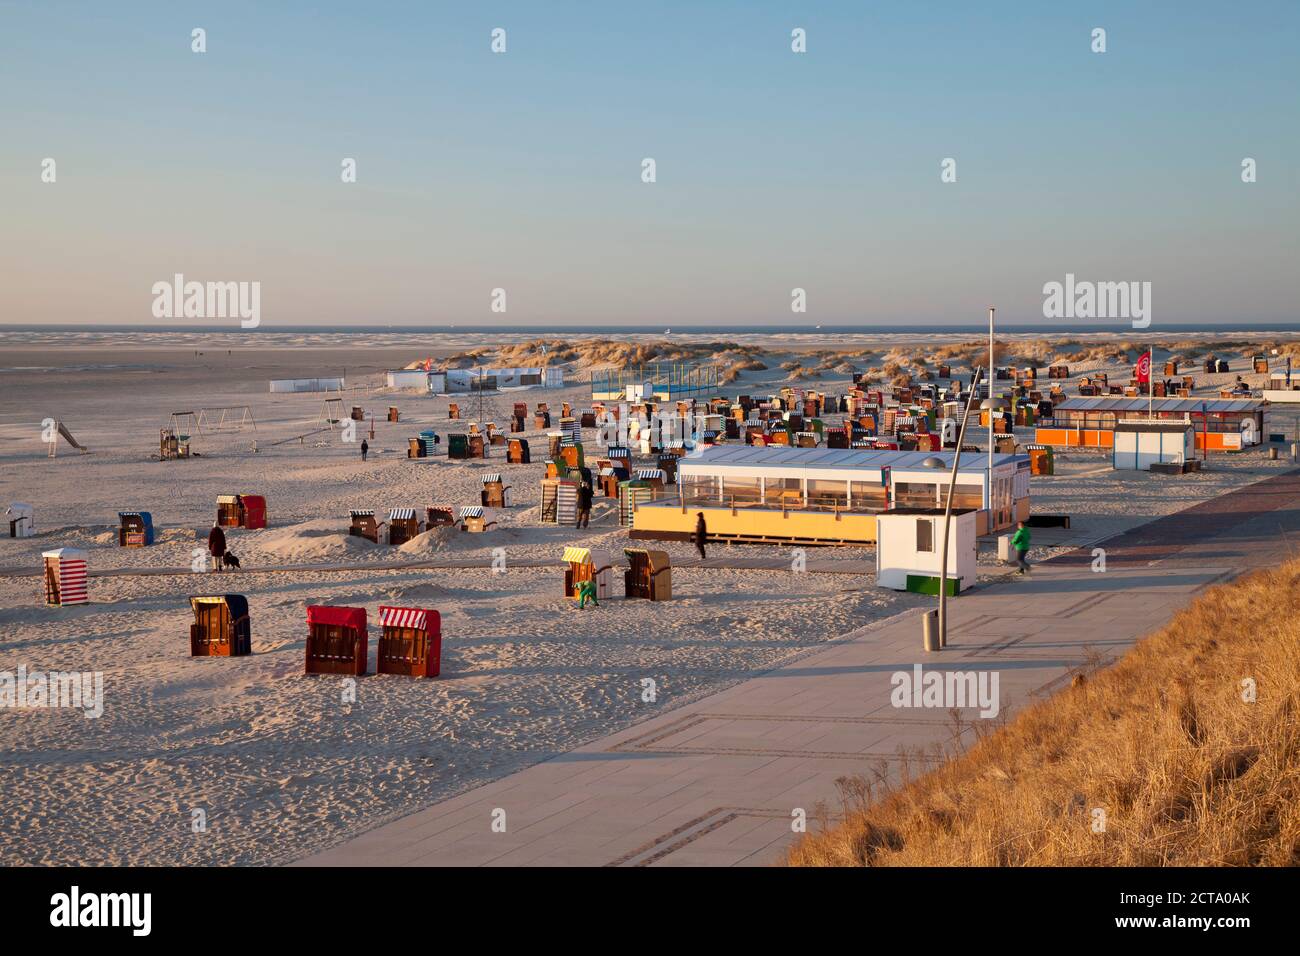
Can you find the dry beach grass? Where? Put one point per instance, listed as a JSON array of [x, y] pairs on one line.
[[1185, 769]]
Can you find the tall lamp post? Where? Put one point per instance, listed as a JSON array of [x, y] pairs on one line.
[[990, 405], [988, 484]]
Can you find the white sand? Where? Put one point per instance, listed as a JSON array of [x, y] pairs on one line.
[[280, 765]]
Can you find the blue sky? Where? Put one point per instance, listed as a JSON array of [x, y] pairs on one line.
[[775, 170]]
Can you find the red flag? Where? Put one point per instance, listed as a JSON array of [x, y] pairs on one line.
[[1143, 370]]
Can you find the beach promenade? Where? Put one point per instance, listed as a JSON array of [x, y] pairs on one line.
[[719, 780]]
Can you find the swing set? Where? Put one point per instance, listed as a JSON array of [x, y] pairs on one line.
[[233, 417], [332, 412]]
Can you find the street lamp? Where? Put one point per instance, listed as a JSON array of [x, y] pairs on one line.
[[992, 376], [938, 463]]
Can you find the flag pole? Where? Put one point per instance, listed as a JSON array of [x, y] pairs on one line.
[[1151, 382]]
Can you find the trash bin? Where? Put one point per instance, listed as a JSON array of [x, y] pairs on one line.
[[930, 630]]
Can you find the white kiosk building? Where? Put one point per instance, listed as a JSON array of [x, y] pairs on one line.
[[909, 549], [1139, 444], [826, 495]]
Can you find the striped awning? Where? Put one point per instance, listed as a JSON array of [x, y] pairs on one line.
[[577, 555], [491, 477], [649, 473], [401, 514], [618, 451], [471, 511], [227, 499], [361, 512], [606, 471], [403, 617]]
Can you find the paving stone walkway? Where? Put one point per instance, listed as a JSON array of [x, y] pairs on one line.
[[716, 781]]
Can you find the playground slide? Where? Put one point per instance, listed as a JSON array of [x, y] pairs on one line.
[[70, 440]]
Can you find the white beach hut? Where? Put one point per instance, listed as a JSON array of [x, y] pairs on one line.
[[22, 520], [412, 378], [909, 549]]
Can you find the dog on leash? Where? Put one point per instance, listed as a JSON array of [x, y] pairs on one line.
[[228, 560]]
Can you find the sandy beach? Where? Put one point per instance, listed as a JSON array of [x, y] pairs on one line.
[[279, 762]]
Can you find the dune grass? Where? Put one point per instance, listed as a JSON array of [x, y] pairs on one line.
[[1164, 743]]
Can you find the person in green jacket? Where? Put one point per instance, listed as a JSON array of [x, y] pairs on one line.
[[587, 592], [1020, 542]]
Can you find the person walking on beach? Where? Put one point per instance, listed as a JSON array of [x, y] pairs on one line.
[[216, 545], [365, 447], [584, 504], [1020, 542], [701, 534]]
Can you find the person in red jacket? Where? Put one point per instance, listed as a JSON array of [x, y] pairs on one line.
[[216, 545]]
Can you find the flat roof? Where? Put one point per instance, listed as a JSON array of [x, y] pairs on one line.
[[1124, 403], [856, 459], [1147, 426]]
